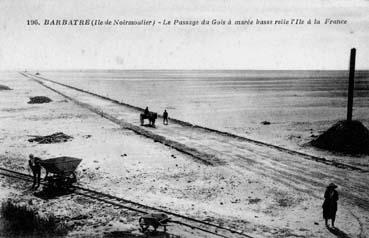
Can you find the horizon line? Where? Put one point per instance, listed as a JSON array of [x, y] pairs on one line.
[[150, 69]]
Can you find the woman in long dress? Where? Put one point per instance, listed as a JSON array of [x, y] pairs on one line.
[[330, 204]]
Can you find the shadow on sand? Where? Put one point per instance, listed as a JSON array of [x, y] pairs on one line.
[[47, 193], [337, 232], [148, 125]]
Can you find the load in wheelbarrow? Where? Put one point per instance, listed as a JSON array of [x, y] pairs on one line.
[[60, 172]]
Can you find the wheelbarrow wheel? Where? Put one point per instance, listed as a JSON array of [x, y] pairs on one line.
[[144, 227], [143, 224]]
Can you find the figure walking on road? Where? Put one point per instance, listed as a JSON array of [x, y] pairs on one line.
[[165, 117], [34, 164], [330, 204]]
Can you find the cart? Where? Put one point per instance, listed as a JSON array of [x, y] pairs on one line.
[[60, 172], [155, 220]]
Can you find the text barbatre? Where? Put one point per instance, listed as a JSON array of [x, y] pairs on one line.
[[94, 22]]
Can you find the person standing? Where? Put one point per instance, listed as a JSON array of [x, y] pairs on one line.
[[165, 117], [330, 204], [34, 164]]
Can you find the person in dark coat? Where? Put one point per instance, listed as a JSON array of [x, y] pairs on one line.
[[165, 117], [34, 164], [330, 204], [146, 112]]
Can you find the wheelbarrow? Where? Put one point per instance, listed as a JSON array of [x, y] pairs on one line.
[[60, 172], [155, 220]]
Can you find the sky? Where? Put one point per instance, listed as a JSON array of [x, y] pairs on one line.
[[314, 46]]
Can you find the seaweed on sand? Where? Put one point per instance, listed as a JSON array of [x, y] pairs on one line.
[[53, 138], [39, 99], [3, 87]]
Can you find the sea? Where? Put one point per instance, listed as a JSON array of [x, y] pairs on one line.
[[229, 100]]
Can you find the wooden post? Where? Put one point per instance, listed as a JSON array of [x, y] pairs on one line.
[[350, 98]]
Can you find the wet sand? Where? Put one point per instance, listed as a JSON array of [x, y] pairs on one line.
[[299, 105]]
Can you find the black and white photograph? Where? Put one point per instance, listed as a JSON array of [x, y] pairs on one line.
[[184, 119]]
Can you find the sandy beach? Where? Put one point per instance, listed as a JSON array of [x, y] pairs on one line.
[[257, 189]]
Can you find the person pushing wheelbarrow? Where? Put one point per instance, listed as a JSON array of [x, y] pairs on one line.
[[34, 164]]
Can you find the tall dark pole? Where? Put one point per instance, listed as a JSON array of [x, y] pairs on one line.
[[351, 84]]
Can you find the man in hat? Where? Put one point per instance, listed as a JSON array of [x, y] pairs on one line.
[[330, 204], [34, 164]]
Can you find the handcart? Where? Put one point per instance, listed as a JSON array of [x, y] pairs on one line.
[[155, 220]]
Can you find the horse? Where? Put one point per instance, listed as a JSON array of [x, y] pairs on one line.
[[151, 116]]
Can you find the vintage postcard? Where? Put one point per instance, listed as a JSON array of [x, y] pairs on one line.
[[168, 118]]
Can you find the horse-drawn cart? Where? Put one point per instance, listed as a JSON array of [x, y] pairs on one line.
[[151, 116], [60, 172]]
